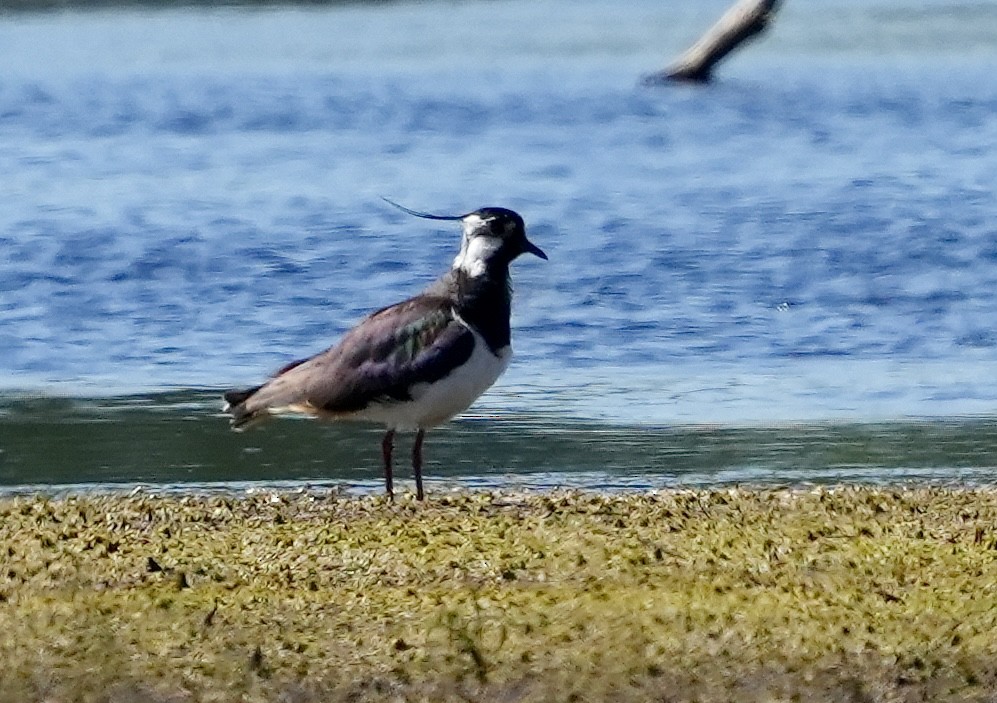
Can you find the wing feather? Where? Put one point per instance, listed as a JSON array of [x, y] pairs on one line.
[[416, 341]]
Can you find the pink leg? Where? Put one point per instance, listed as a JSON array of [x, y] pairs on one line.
[[387, 444], [417, 463]]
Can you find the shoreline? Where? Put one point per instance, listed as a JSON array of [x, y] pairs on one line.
[[811, 594]]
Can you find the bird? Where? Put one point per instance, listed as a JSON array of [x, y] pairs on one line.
[[413, 365]]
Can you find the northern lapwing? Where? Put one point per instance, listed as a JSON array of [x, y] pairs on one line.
[[416, 364]]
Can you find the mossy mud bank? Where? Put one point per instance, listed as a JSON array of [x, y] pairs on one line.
[[829, 594]]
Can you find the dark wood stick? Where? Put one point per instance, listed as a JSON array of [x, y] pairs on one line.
[[742, 21]]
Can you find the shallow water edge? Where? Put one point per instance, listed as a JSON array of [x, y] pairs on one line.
[[180, 441]]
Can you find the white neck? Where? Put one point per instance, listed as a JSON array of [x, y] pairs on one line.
[[475, 251]]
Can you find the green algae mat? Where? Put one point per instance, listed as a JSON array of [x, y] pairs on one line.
[[825, 594]]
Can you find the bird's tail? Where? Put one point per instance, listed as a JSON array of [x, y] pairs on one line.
[[245, 408], [235, 403]]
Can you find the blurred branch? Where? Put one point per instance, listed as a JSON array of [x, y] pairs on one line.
[[741, 22]]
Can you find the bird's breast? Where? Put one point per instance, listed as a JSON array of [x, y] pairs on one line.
[[434, 403]]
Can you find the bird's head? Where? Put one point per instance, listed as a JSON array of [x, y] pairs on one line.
[[492, 236]]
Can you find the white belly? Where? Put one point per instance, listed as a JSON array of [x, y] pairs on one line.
[[435, 403]]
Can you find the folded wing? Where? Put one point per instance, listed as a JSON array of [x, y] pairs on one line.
[[379, 361]]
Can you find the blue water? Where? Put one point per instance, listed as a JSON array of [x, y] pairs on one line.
[[191, 198]]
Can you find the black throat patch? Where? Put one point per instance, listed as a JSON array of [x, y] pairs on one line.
[[484, 302]]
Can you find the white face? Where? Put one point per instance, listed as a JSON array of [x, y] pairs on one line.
[[475, 251]]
